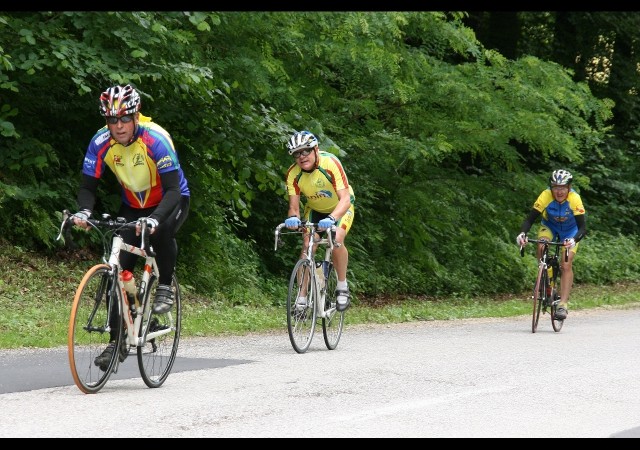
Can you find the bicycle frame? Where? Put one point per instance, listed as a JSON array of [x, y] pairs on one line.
[[134, 315]]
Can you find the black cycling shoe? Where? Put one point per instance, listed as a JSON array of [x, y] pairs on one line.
[[164, 299], [102, 361], [344, 305], [561, 313]]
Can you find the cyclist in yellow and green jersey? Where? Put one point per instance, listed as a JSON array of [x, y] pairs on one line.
[[563, 214], [321, 178]]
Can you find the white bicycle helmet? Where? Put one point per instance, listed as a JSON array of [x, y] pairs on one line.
[[301, 140], [560, 177]]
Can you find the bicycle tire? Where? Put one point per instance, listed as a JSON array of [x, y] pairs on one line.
[[333, 324], [157, 355], [301, 321], [555, 323], [88, 333], [539, 292]]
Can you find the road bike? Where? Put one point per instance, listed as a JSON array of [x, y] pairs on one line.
[[546, 293], [103, 312], [316, 280]]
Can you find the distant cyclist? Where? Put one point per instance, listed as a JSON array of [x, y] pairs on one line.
[[321, 178], [563, 214]]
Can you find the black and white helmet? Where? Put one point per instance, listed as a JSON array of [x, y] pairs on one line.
[[560, 177], [301, 140]]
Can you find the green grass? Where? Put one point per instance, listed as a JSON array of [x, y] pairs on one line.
[[36, 296]]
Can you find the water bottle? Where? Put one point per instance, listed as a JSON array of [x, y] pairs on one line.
[[130, 287]]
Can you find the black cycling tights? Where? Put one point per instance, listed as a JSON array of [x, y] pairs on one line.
[[163, 239]]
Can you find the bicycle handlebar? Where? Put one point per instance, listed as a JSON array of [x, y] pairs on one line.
[[109, 223], [331, 232], [547, 242]]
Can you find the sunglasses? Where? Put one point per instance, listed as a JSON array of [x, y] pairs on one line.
[[300, 153], [125, 119]]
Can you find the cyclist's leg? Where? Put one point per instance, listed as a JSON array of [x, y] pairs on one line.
[[166, 247], [544, 233], [566, 274], [340, 258], [115, 327], [566, 279]]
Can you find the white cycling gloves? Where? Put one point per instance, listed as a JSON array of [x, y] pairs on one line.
[[152, 223], [571, 242], [83, 214]]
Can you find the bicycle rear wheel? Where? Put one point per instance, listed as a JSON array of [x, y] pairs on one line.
[[301, 319], [88, 333], [539, 293], [333, 321], [160, 336]]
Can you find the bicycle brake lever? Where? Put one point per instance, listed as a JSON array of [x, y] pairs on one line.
[[65, 216]]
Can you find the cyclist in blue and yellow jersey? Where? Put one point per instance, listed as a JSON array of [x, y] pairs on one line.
[[320, 177], [563, 214], [141, 155]]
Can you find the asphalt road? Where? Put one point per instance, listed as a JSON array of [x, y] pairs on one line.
[[457, 379]]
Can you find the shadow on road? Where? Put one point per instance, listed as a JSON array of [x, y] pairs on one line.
[[50, 368]]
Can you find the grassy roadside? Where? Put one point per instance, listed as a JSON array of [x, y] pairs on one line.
[[36, 295]]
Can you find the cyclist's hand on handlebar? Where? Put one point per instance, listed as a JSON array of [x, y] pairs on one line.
[[80, 218], [151, 223], [570, 243], [293, 222], [521, 239], [327, 222]]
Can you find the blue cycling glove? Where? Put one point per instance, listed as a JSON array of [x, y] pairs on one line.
[[293, 222], [327, 222]]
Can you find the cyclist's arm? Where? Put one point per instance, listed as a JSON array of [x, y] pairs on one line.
[[171, 198], [582, 227], [294, 206], [87, 192], [529, 221], [344, 203]]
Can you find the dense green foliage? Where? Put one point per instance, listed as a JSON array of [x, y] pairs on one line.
[[446, 140]]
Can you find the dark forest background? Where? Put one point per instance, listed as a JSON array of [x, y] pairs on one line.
[[448, 123]]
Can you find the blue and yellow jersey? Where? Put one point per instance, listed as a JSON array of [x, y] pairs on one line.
[[559, 217], [138, 165], [320, 187]]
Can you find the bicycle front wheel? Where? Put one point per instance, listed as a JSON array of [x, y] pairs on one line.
[[555, 323], [539, 293], [160, 337], [333, 321], [89, 331], [301, 317]]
